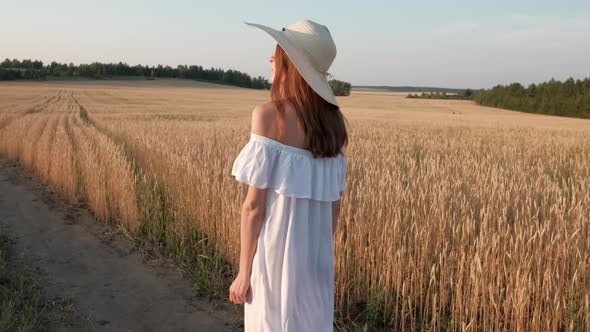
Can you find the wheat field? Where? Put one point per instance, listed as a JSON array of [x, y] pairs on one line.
[[456, 217]]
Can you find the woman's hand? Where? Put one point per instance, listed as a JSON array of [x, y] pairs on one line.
[[238, 291]]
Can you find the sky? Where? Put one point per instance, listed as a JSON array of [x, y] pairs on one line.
[[456, 44]]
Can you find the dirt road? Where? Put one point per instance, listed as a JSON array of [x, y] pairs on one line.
[[112, 286]]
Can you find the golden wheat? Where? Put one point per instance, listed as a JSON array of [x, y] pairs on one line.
[[456, 217]]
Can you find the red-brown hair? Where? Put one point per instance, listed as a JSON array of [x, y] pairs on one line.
[[322, 122]]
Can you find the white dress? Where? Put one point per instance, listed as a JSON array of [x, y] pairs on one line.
[[292, 281]]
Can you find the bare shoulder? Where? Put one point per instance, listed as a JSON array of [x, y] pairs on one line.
[[263, 119]]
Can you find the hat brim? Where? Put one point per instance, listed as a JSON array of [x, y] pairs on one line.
[[315, 79]]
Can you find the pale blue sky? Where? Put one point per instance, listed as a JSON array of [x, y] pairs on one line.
[[425, 43]]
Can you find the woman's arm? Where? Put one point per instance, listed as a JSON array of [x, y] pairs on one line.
[[253, 211]]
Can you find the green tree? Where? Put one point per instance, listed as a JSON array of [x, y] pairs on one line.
[[340, 88]]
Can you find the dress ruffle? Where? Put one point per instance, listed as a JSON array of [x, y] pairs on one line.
[[290, 171]]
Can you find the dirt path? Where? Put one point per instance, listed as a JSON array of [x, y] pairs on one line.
[[113, 286]]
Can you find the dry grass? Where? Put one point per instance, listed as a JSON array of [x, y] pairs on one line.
[[22, 303], [456, 217]]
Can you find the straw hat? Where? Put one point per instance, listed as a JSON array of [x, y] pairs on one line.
[[311, 48]]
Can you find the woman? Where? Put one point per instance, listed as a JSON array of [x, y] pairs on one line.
[[295, 168]]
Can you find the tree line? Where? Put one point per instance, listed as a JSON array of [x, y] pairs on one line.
[[568, 98], [34, 69], [409, 89], [465, 94]]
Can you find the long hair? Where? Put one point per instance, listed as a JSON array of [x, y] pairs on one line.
[[322, 122]]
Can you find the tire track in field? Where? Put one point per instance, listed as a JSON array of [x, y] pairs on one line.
[[18, 106], [70, 122], [46, 100], [115, 201], [31, 140], [44, 105]]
